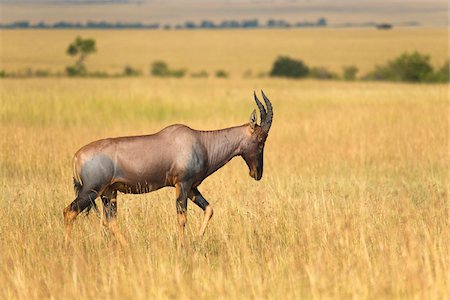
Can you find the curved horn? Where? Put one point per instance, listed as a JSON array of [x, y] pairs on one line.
[[268, 120], [262, 110]]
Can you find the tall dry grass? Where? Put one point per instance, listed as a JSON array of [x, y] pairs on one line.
[[352, 204]]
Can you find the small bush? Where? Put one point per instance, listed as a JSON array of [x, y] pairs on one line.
[[177, 73], [411, 67], [349, 72], [379, 73], [414, 67], [160, 68], [3, 74], [201, 74], [130, 71], [288, 67], [322, 73], [76, 70], [442, 74], [221, 74]]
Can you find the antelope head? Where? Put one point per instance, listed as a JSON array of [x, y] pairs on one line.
[[253, 146]]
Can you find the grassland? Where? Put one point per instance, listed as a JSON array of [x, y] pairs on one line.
[[352, 204], [234, 51]]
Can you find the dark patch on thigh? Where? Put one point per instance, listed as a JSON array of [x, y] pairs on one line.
[[97, 172]]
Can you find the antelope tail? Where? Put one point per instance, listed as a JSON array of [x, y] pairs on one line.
[[77, 186]]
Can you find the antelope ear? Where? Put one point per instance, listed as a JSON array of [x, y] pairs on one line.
[[253, 119]]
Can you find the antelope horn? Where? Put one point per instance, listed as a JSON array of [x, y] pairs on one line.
[[262, 110], [267, 122]]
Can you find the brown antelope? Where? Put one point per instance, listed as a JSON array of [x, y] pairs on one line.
[[177, 156]]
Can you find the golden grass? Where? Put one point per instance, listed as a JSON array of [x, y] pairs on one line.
[[235, 51], [352, 204]]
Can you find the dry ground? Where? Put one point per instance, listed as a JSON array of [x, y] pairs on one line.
[[352, 204]]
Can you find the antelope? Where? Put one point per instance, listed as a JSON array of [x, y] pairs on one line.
[[177, 156]]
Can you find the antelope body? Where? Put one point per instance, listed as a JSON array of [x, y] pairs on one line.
[[177, 156]]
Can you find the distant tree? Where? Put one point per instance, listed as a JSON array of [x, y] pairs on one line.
[[80, 48], [130, 71], [322, 22], [230, 24], [349, 72], [21, 24], [221, 74], [160, 68], [190, 25], [207, 24], [271, 23], [412, 67], [250, 23], [442, 74], [288, 67], [384, 26]]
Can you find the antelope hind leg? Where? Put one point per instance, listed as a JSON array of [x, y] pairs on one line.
[[181, 212], [83, 200], [109, 200]]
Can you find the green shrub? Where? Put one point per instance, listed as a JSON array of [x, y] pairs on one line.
[[379, 73], [76, 70], [177, 73], [221, 74], [160, 68], [322, 73], [349, 72], [130, 71], [3, 73], [288, 67], [414, 67], [442, 74]]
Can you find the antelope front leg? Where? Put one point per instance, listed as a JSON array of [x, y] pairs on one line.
[[201, 202], [181, 212]]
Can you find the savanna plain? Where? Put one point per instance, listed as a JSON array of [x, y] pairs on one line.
[[352, 203]]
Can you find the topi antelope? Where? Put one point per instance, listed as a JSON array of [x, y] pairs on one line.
[[177, 156]]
